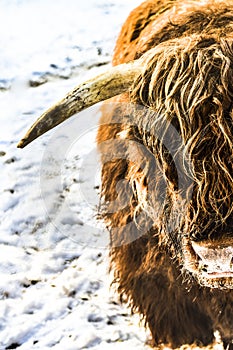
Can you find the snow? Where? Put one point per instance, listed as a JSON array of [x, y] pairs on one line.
[[55, 288]]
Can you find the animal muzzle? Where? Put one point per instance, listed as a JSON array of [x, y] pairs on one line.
[[211, 263], [214, 261]]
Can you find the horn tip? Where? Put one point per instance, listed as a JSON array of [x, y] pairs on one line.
[[22, 143]]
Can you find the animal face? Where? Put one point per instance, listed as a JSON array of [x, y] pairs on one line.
[[187, 84]]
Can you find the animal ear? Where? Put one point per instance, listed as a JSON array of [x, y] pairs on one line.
[[115, 81]]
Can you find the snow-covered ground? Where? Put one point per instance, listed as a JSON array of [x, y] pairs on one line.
[[54, 282]]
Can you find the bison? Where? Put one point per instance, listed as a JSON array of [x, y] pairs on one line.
[[168, 141]]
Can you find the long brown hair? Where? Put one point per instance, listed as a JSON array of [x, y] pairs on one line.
[[188, 82]]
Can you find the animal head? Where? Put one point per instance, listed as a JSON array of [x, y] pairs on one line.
[[185, 86]]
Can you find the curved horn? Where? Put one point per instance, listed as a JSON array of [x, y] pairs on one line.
[[111, 83]]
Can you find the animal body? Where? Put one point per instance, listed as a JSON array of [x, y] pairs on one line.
[[166, 145]]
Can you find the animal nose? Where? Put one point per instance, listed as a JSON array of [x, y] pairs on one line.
[[214, 259]]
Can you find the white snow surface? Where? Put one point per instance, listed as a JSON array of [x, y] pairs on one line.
[[55, 288]]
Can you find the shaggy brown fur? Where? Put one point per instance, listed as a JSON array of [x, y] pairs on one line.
[[187, 82]]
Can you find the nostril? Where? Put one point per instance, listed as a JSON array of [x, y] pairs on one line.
[[205, 268]]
